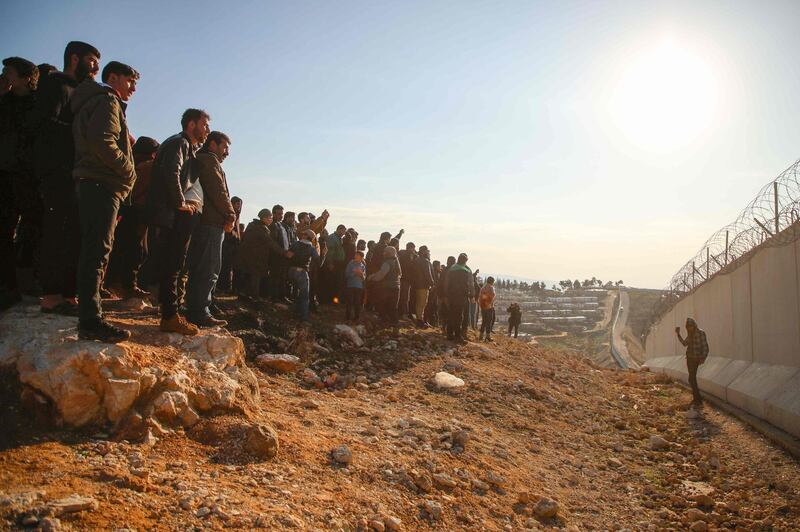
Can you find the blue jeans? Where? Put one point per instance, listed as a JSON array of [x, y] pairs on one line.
[[300, 280], [204, 262]]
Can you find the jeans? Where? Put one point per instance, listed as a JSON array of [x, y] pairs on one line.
[[172, 243], [61, 236], [355, 298], [692, 365], [487, 321], [98, 215], [204, 260], [299, 278]]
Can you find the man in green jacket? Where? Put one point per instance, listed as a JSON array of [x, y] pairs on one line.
[[105, 170]]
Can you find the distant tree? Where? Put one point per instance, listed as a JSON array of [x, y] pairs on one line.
[[620, 283], [576, 284]]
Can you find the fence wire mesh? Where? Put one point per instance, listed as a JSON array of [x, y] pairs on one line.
[[771, 219]]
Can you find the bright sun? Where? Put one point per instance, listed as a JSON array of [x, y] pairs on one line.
[[665, 98]]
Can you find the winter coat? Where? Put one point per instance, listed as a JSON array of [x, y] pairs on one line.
[[103, 151], [422, 274], [51, 123], [16, 143], [173, 173], [217, 208], [256, 248], [303, 252], [407, 259]]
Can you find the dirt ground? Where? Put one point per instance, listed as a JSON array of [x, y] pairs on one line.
[[533, 432]]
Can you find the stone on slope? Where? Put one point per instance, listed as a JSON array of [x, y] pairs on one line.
[[262, 441], [73, 503], [545, 508], [446, 381], [348, 334], [282, 362], [342, 455]]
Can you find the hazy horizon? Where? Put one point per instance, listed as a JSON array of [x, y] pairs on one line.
[[545, 139]]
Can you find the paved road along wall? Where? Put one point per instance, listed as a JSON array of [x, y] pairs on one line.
[[751, 316]]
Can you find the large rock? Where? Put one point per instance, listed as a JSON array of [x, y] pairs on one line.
[[168, 376]]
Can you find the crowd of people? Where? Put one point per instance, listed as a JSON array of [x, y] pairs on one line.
[[95, 213]]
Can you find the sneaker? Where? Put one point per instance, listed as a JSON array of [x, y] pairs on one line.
[[178, 324], [102, 331], [207, 322]]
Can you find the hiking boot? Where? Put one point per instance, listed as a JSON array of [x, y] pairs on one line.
[[178, 324], [206, 322], [102, 331]]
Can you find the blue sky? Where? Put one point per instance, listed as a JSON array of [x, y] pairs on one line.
[[546, 139]]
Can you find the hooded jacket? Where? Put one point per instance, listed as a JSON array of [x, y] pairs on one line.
[[51, 123], [103, 149]]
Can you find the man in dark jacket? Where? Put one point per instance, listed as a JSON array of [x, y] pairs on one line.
[[278, 266], [441, 294], [205, 251], [105, 169], [255, 252], [431, 316], [303, 251], [406, 258], [421, 282], [459, 290], [54, 159], [20, 205], [172, 216]]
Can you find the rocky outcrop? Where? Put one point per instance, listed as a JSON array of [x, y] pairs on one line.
[[167, 377]]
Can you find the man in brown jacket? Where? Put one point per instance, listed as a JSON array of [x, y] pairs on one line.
[[105, 169], [217, 218]]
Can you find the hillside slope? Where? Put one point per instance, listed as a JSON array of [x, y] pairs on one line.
[[535, 439]]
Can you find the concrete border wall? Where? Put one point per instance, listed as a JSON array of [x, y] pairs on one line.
[[751, 316]]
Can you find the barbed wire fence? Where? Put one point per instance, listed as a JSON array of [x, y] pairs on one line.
[[771, 219]]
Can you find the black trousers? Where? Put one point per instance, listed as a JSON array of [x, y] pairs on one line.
[[98, 213], [278, 277], [172, 243], [61, 236], [20, 226], [456, 325], [354, 299], [514, 327], [130, 248]]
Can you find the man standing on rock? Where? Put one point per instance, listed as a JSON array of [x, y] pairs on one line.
[[172, 215], [387, 286], [302, 251], [696, 352], [217, 218], [104, 168], [54, 160]]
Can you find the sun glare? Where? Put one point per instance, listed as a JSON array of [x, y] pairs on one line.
[[665, 98]]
